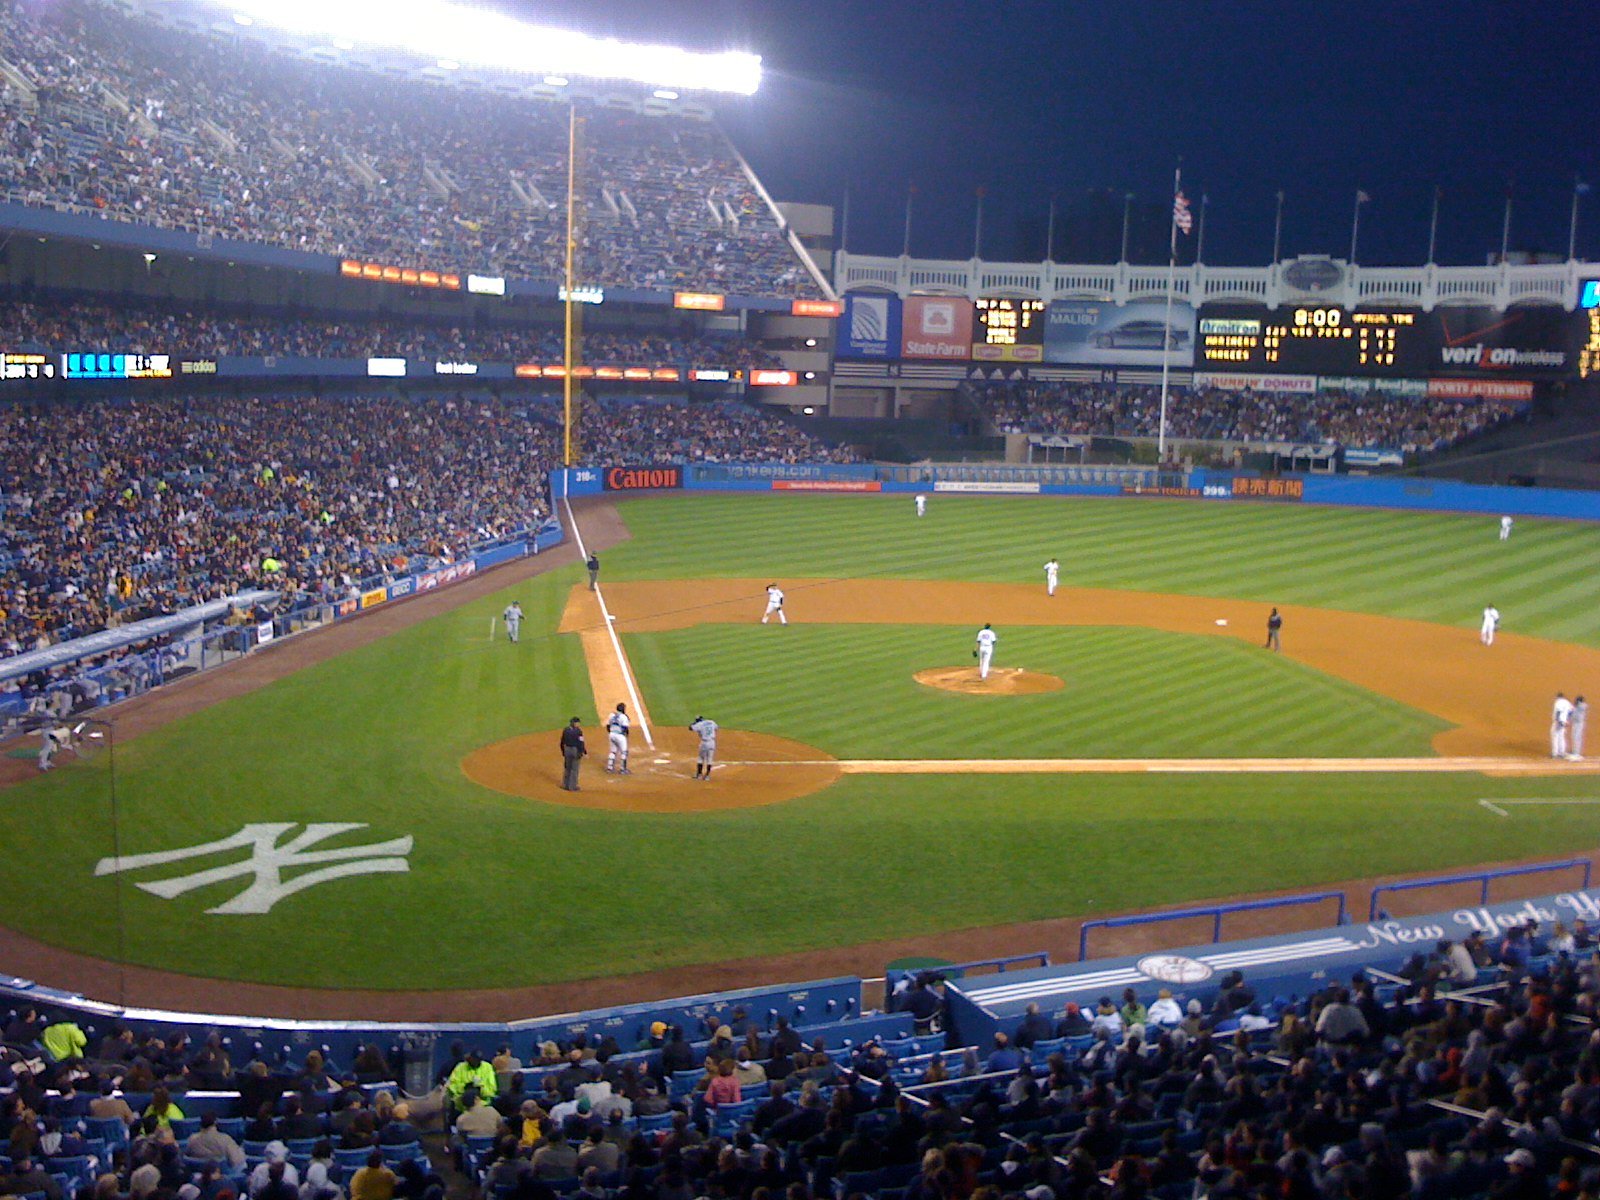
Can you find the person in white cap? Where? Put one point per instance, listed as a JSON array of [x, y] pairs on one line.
[[922, 506], [617, 725], [1580, 718], [1505, 529], [1052, 572], [1491, 622]]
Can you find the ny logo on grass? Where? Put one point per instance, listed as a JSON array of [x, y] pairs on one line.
[[267, 862]]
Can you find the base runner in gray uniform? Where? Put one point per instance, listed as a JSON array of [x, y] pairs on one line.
[[706, 730]]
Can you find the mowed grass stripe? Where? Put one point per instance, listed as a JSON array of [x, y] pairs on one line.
[[1130, 692], [1426, 566]]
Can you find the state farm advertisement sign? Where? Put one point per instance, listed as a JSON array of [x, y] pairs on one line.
[[936, 327], [634, 479]]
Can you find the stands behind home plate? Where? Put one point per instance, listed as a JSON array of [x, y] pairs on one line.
[[1279, 969]]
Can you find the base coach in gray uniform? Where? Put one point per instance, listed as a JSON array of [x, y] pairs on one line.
[[572, 752]]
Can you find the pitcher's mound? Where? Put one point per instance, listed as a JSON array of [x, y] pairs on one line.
[[1002, 681], [752, 769]]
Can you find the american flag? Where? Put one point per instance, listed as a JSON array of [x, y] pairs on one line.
[[1180, 213]]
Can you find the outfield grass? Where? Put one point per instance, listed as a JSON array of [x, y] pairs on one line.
[[1429, 566], [503, 891]]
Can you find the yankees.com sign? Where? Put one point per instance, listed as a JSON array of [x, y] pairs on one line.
[[635, 479]]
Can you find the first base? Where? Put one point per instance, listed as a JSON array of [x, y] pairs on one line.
[[1222, 620]]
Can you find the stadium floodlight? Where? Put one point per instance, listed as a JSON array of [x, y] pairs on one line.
[[557, 80], [665, 94], [437, 29]]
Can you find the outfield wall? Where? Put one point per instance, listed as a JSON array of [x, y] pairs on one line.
[[1395, 492]]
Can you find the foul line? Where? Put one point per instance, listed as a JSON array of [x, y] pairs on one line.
[[1187, 766], [611, 629]]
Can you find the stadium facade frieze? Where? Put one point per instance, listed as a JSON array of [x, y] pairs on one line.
[[87, 226]]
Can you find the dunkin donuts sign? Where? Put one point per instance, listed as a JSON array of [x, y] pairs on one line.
[[635, 479]]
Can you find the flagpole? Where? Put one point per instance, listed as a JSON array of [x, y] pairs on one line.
[[1127, 210], [1050, 232], [1166, 327], [844, 221], [905, 245], [1433, 227], [1277, 230], [1505, 228], [1200, 236], [1355, 226], [1578, 189], [977, 228]]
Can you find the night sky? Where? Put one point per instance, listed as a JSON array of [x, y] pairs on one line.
[[1094, 99]]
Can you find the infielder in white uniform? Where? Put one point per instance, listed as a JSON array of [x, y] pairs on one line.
[[774, 604], [1505, 529], [1560, 718], [1052, 571], [922, 505], [52, 738], [617, 725], [513, 620], [984, 651], [706, 730], [1491, 622], [1580, 718]]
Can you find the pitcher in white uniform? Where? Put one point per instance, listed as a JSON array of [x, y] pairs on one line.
[[1052, 572], [984, 651], [922, 506]]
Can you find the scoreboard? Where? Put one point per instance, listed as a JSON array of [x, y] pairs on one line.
[[1009, 330], [1315, 339]]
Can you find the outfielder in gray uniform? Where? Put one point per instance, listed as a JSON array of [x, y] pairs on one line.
[[706, 730], [513, 620]]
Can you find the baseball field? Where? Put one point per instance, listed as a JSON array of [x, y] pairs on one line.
[[1136, 745]]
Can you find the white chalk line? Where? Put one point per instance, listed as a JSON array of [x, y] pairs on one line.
[[1496, 805], [611, 629]]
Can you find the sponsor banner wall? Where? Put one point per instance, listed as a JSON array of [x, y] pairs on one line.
[[1010, 486], [633, 479], [1093, 331], [1406, 388], [870, 327], [1481, 389], [712, 472], [374, 598], [264, 633], [1302, 385], [826, 485], [936, 327], [402, 587], [1528, 342]]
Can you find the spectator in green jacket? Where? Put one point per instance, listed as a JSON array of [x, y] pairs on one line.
[[63, 1041], [471, 1071]]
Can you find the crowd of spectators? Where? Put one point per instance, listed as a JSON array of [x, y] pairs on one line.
[[210, 334], [1475, 1075], [143, 122], [1349, 419], [113, 511]]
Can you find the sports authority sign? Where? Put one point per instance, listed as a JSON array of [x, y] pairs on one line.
[[635, 479]]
